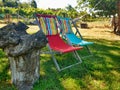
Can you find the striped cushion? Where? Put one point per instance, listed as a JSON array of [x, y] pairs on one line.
[[48, 25], [43, 25], [66, 25]]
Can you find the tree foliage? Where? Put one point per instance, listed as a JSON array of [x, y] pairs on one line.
[[71, 12], [10, 3], [33, 4], [16, 3], [107, 7]]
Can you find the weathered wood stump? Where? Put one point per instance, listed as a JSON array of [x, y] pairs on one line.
[[83, 25], [22, 50]]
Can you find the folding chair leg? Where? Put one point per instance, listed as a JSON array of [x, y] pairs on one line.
[[60, 69], [77, 31], [56, 63], [54, 60], [77, 56], [88, 50], [90, 53]]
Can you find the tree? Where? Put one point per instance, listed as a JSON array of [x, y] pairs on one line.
[[1, 4], [33, 4], [118, 6], [71, 12], [10, 3], [3, 1], [108, 7], [24, 5]]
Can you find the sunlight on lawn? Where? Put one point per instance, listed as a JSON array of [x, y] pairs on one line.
[[42, 72], [95, 84], [70, 84], [4, 63], [115, 73], [114, 52]]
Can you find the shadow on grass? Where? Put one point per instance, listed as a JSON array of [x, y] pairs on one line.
[[99, 71]]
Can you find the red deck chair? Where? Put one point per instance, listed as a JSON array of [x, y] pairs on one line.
[[47, 23]]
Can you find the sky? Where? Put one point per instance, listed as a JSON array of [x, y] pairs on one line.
[[44, 4]]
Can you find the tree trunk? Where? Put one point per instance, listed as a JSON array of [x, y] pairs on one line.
[[23, 53], [118, 5], [25, 70]]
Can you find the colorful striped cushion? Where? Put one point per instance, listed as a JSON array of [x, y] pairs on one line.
[[66, 25], [48, 25], [43, 25]]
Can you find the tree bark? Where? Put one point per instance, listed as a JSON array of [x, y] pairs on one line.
[[23, 53], [25, 70], [118, 5]]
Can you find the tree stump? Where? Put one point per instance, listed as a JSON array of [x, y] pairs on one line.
[[23, 51], [83, 25]]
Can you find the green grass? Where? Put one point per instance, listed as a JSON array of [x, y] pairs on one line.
[[100, 72]]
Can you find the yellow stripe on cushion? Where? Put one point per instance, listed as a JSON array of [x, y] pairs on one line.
[[43, 25], [53, 26]]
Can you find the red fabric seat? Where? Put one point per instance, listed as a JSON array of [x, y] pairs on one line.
[[57, 44]]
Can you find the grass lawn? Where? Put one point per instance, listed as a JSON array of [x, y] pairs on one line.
[[99, 72]]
